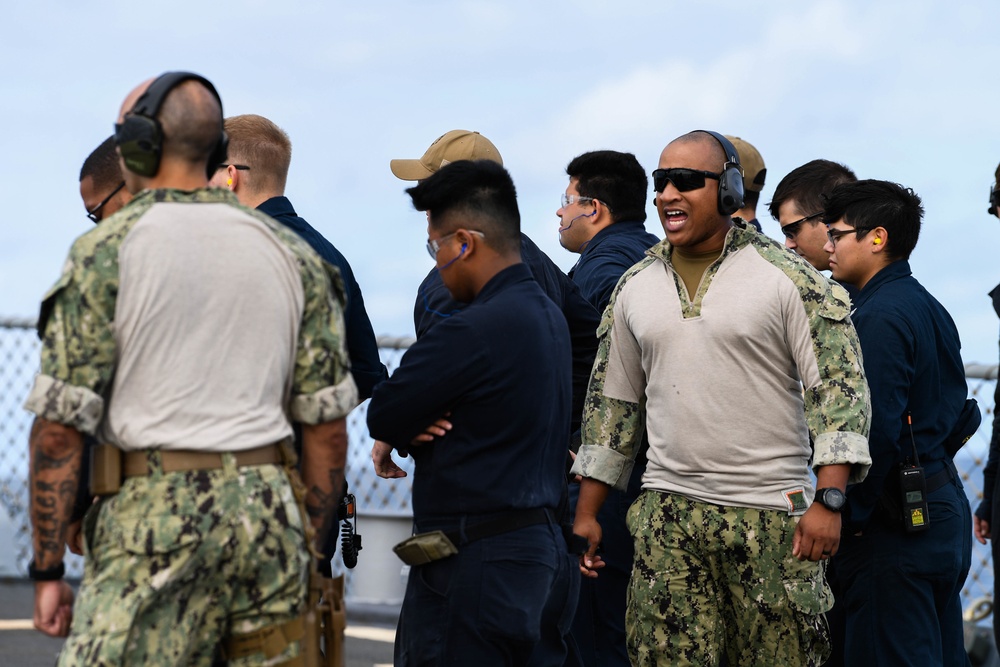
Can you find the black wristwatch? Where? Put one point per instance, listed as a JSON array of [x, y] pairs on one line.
[[54, 573], [831, 498]]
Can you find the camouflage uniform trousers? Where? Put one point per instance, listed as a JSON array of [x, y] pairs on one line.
[[708, 579], [177, 561]]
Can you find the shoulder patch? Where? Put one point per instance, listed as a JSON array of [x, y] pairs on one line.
[[837, 304]]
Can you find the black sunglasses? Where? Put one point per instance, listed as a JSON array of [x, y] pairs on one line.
[[793, 228], [93, 213], [994, 199], [685, 180], [241, 167]]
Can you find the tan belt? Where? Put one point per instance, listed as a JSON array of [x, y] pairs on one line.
[[136, 464], [270, 641]]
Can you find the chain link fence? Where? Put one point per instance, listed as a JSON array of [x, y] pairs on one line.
[[19, 350]]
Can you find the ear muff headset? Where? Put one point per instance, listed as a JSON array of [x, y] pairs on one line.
[[140, 135], [731, 180]]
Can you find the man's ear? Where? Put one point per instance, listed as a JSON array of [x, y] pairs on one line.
[[467, 242], [879, 239], [232, 178], [603, 213]]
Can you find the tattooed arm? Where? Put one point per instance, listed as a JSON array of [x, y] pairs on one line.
[[324, 458], [56, 451]]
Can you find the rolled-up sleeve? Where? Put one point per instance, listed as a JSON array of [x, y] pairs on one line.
[[76, 325], [837, 400], [614, 412], [322, 388]]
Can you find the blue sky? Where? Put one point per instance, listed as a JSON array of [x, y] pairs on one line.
[[905, 91]]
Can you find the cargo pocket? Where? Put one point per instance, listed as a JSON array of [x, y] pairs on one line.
[[809, 600]]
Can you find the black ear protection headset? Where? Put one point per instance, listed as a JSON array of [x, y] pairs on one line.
[[140, 135], [731, 180]]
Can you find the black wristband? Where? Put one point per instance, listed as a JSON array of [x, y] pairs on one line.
[[54, 573]]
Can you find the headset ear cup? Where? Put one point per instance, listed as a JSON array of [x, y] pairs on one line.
[[730, 190], [140, 144]]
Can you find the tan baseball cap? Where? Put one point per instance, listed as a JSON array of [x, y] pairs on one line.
[[754, 170], [449, 147]]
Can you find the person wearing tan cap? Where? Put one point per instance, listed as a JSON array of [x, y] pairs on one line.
[[798, 207], [449, 147], [498, 582], [435, 304], [754, 173]]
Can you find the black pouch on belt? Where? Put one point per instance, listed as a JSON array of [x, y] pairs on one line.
[[425, 548], [968, 423]]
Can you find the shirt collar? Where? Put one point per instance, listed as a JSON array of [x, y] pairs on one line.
[[614, 228], [276, 206], [201, 195], [894, 271], [512, 274], [738, 236]]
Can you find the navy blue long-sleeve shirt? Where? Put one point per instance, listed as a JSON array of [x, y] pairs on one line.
[[434, 304], [366, 367], [501, 367], [609, 254], [914, 366], [985, 510]]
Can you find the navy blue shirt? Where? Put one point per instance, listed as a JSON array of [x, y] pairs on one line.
[[993, 462], [609, 254], [500, 366], [434, 304], [366, 367], [913, 363]]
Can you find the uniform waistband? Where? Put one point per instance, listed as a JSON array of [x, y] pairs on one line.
[[137, 463], [469, 528]]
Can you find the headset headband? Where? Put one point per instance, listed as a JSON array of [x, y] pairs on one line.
[[149, 102], [732, 155]]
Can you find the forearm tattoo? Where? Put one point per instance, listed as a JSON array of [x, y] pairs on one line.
[[321, 504], [55, 471]]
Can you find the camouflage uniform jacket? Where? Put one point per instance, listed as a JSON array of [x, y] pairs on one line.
[[81, 346], [740, 387]]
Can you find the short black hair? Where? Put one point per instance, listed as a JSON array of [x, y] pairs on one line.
[[615, 179], [480, 190], [868, 204], [102, 166], [809, 184]]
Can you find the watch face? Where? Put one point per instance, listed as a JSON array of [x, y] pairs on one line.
[[833, 499]]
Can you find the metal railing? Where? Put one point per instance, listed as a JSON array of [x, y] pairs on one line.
[[19, 350]]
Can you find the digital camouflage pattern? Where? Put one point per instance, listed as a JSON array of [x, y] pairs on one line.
[[709, 579], [837, 410], [178, 561], [76, 322]]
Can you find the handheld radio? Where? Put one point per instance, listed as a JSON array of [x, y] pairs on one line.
[[350, 540], [913, 490]]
